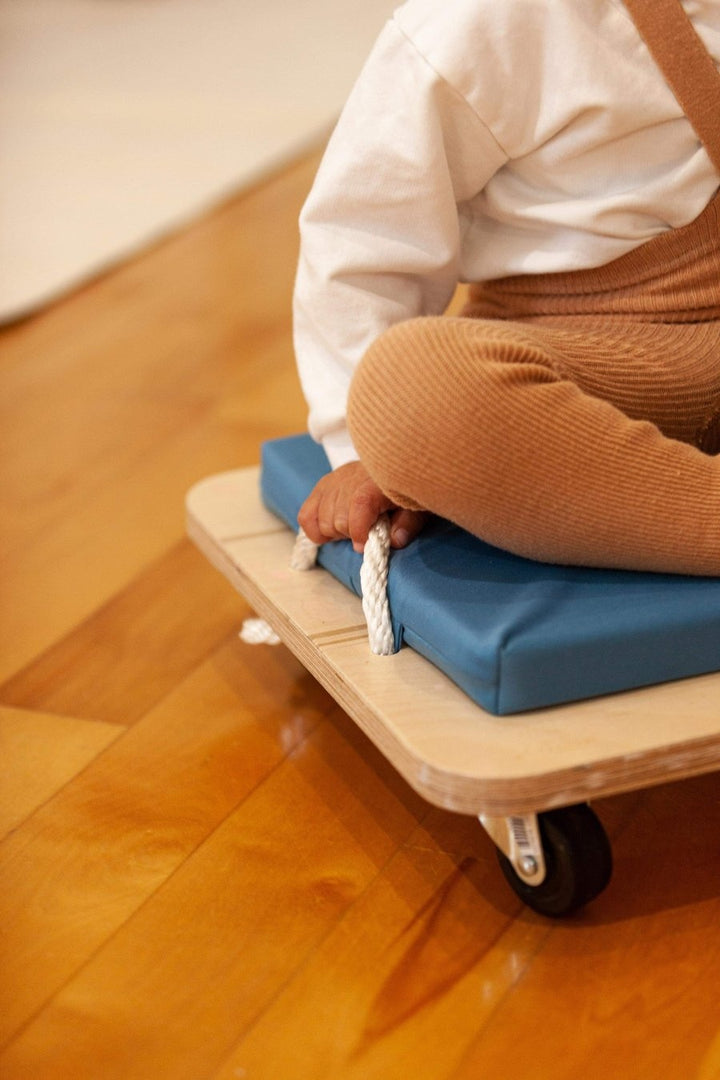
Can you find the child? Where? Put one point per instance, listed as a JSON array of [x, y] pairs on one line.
[[562, 157]]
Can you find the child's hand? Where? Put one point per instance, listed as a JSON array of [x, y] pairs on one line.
[[347, 503]]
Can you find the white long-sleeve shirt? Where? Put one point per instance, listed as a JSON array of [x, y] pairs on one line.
[[485, 138]]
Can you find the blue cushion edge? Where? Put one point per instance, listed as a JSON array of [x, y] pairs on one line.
[[568, 633]]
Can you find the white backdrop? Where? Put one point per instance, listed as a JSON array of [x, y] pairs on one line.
[[122, 119]]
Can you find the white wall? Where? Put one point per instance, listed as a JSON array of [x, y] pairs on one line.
[[121, 119]]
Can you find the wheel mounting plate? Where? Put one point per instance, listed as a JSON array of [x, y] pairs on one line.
[[518, 837]]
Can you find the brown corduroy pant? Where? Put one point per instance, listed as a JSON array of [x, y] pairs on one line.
[[578, 424]]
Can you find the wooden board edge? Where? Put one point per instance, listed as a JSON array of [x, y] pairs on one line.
[[471, 793]]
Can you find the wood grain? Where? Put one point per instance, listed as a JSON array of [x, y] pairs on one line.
[[40, 753], [598, 1019], [135, 648], [90, 857], [555, 1001], [450, 750], [449, 945], [114, 402], [240, 913]]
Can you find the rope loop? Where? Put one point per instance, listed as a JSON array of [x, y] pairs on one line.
[[373, 581], [304, 553]]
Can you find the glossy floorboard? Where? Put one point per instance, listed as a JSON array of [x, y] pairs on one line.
[[207, 871]]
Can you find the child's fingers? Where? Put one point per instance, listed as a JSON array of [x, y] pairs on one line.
[[366, 506], [347, 502], [405, 526], [326, 513], [309, 517]]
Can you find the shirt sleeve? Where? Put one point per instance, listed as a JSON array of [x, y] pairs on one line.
[[381, 230]]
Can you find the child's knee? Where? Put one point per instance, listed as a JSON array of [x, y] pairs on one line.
[[435, 397], [392, 396]]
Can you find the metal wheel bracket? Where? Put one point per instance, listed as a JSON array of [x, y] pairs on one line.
[[518, 837]]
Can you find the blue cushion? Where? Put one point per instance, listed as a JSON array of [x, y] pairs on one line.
[[513, 633]]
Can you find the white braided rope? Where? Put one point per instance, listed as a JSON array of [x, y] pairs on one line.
[[304, 553], [258, 632], [373, 582]]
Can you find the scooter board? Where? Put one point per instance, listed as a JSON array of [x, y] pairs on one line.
[[449, 749]]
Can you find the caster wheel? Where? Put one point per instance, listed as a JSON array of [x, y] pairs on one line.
[[578, 862]]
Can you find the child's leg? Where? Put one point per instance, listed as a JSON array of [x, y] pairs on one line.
[[522, 434]]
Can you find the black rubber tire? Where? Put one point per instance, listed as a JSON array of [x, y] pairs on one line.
[[578, 862]]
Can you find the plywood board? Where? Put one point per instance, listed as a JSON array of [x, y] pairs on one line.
[[448, 748]]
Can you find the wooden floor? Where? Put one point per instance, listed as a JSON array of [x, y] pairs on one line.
[[207, 872]]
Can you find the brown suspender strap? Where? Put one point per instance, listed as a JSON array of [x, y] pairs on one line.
[[686, 64]]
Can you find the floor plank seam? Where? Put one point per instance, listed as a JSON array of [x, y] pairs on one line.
[[150, 897], [122, 732], [307, 959], [33, 700], [480, 1033], [87, 619]]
